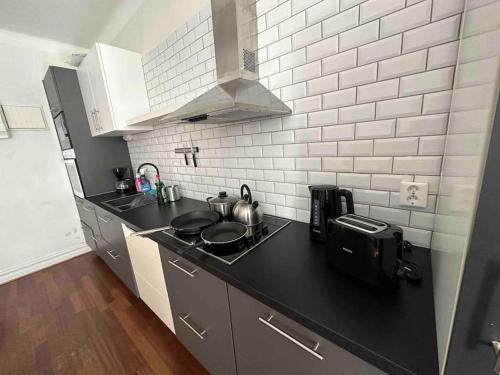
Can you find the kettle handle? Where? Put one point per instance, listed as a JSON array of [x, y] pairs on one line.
[[348, 200], [245, 187]]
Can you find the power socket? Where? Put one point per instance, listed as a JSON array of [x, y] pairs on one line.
[[413, 194]]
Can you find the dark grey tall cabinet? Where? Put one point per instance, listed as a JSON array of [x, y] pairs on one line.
[[95, 156]]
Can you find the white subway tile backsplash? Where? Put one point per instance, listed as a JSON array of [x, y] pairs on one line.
[[309, 104], [355, 148], [323, 149], [278, 14], [380, 50], [390, 182], [375, 129], [372, 165], [390, 215], [321, 11], [324, 84], [432, 145], [434, 80], [279, 48], [308, 135], [338, 164], [438, 102], [295, 150], [357, 113], [445, 8], [373, 9], [371, 197], [341, 22], [307, 72], [378, 91], [442, 56], [396, 146], [403, 107], [340, 98], [292, 25], [296, 177], [294, 122], [292, 59], [283, 137], [294, 91], [353, 180], [319, 178], [402, 65], [358, 36], [432, 34], [338, 64], [308, 164], [421, 165], [358, 76], [306, 37], [406, 19], [322, 118], [422, 125]]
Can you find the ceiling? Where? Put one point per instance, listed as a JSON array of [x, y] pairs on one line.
[[76, 22]]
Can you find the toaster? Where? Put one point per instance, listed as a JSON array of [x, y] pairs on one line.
[[366, 249]]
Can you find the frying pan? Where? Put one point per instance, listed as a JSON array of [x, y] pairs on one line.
[[191, 223], [221, 237]]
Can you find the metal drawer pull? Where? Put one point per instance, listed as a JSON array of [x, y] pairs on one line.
[[104, 220], [312, 351], [190, 274], [110, 252], [184, 320]]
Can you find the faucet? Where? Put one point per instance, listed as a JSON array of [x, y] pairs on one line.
[[151, 164]]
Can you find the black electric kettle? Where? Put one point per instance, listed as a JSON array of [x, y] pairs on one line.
[[326, 203]]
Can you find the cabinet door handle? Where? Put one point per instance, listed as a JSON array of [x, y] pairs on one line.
[[189, 273], [304, 347], [94, 122], [104, 220], [184, 319], [114, 257]]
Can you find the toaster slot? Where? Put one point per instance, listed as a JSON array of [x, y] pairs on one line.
[[362, 223]]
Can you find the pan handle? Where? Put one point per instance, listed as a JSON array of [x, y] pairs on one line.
[[149, 231]]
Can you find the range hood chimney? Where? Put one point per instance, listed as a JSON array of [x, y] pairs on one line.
[[238, 95]]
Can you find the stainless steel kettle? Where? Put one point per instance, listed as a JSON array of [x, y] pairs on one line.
[[246, 210]]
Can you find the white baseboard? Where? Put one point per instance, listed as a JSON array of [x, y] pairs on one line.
[[16, 272]]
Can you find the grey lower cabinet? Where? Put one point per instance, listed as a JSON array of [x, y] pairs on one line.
[[200, 309], [90, 227], [112, 248], [268, 343]]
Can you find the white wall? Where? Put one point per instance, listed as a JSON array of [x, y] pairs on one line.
[[472, 112], [39, 223], [154, 20]]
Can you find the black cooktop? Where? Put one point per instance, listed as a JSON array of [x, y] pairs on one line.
[[271, 225]]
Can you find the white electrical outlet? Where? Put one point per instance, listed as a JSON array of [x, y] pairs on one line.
[[413, 194]]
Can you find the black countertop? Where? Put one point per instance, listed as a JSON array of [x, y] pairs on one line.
[[288, 272]]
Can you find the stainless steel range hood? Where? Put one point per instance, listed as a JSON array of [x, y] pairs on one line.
[[238, 96]]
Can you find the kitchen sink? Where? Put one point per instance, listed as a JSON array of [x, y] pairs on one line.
[[130, 202]]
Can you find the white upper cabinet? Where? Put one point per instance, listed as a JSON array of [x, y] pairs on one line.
[[113, 89]]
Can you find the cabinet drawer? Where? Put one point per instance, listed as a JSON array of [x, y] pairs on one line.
[[268, 343], [111, 230], [200, 310], [120, 264], [87, 213], [90, 237]]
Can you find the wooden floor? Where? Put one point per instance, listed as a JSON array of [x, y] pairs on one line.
[[78, 318]]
